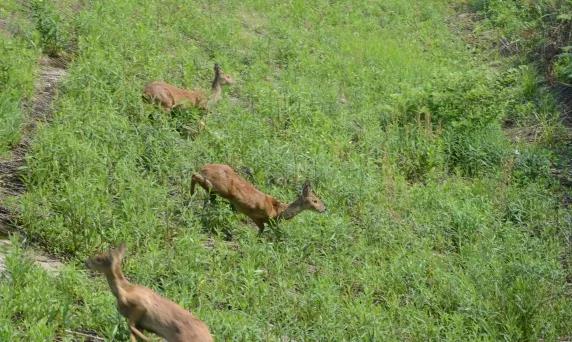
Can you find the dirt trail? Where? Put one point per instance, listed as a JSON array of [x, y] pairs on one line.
[[563, 94], [38, 109]]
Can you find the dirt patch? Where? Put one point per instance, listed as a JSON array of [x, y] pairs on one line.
[[39, 109], [50, 264], [52, 70], [522, 134], [86, 336], [4, 246]]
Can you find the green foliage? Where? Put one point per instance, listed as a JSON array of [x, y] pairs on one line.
[[532, 164], [563, 65], [52, 28], [477, 151], [38, 307], [540, 28], [17, 69], [436, 228]]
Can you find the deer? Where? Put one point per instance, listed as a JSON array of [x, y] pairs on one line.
[[169, 96], [145, 309], [222, 180]]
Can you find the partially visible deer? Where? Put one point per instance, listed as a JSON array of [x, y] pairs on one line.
[[222, 180], [145, 309], [169, 96]]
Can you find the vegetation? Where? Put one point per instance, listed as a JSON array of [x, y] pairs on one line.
[[17, 68], [438, 225], [539, 30]]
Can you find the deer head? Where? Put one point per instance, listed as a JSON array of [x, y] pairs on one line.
[[220, 77], [107, 260], [310, 200]]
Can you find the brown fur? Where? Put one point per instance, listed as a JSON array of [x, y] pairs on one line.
[[169, 96], [145, 309], [222, 180]]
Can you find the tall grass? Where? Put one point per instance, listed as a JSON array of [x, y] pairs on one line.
[[437, 228], [17, 71]]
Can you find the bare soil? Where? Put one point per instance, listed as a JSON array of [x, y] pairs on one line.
[[38, 109]]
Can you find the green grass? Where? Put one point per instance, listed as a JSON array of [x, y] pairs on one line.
[[438, 226], [17, 72], [539, 30]]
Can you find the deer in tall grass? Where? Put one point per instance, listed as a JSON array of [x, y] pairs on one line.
[[222, 180], [145, 309], [169, 96]]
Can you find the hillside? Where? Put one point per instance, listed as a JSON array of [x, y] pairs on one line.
[[433, 153]]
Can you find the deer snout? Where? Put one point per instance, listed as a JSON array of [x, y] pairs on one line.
[[89, 264], [228, 80], [319, 207]]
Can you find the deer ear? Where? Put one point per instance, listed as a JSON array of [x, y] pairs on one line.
[[306, 189], [120, 250]]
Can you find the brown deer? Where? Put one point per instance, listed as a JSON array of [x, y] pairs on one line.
[[169, 96], [145, 309], [222, 180]]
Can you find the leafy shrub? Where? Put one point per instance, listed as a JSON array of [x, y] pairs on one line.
[[17, 67]]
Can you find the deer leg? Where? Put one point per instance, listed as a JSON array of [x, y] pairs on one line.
[[194, 180], [134, 316], [210, 200], [260, 224], [136, 333], [203, 182]]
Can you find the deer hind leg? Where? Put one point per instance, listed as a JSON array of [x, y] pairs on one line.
[[260, 225], [136, 333], [212, 198], [134, 316]]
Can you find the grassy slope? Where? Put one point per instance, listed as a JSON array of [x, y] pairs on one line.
[[17, 69], [436, 227]]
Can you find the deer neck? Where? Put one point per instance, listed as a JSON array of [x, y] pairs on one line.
[[116, 281], [292, 209], [216, 89], [216, 92]]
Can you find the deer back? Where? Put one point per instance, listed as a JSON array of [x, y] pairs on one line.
[[170, 96], [168, 319], [247, 199]]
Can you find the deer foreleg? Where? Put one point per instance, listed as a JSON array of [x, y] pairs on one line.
[[134, 317]]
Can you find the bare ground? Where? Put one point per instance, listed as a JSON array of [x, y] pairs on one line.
[[38, 109]]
